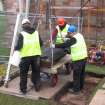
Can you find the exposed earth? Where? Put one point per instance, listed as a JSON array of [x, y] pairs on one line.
[[83, 97]]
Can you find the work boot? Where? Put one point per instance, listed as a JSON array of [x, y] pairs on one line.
[[74, 92], [23, 92], [37, 87]]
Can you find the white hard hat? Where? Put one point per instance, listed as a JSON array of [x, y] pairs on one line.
[[25, 21]]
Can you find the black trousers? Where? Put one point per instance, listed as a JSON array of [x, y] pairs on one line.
[[78, 74], [25, 63]]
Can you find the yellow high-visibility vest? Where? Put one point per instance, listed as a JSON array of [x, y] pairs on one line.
[[31, 44], [79, 49], [61, 34]]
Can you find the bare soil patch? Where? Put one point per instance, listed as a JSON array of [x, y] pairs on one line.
[[83, 97]]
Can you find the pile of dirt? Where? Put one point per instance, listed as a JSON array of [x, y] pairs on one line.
[[83, 97]]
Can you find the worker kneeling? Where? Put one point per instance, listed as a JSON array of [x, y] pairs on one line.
[[29, 45]]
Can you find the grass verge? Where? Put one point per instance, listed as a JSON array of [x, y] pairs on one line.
[[99, 70], [12, 100], [3, 51]]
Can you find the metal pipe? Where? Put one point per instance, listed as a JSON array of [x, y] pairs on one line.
[[20, 6], [78, 24], [11, 52], [72, 8], [27, 8], [81, 13], [49, 9], [13, 43]]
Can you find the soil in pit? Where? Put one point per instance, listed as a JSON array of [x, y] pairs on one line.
[[83, 97]]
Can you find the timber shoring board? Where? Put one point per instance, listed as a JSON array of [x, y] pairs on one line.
[[46, 92]]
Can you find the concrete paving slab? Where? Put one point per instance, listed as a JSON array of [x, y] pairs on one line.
[[1, 6], [103, 86], [46, 92], [99, 98]]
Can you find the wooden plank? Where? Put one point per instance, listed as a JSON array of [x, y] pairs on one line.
[[18, 94], [46, 92]]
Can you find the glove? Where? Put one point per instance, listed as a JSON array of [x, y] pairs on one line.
[[52, 45], [65, 39]]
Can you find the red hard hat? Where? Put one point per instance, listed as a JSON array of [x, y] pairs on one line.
[[61, 21]]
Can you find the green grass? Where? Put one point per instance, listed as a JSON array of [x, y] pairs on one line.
[[3, 50], [92, 68], [2, 26], [12, 100]]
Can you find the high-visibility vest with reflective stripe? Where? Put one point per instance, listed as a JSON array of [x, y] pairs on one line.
[[78, 50], [61, 34], [31, 44]]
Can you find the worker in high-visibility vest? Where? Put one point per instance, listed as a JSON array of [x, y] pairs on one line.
[[78, 51], [29, 44], [58, 36], [60, 31]]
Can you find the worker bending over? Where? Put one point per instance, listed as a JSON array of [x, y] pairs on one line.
[[59, 35], [78, 48], [29, 44]]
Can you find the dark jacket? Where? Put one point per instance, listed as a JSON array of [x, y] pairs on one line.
[[19, 43], [66, 44]]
